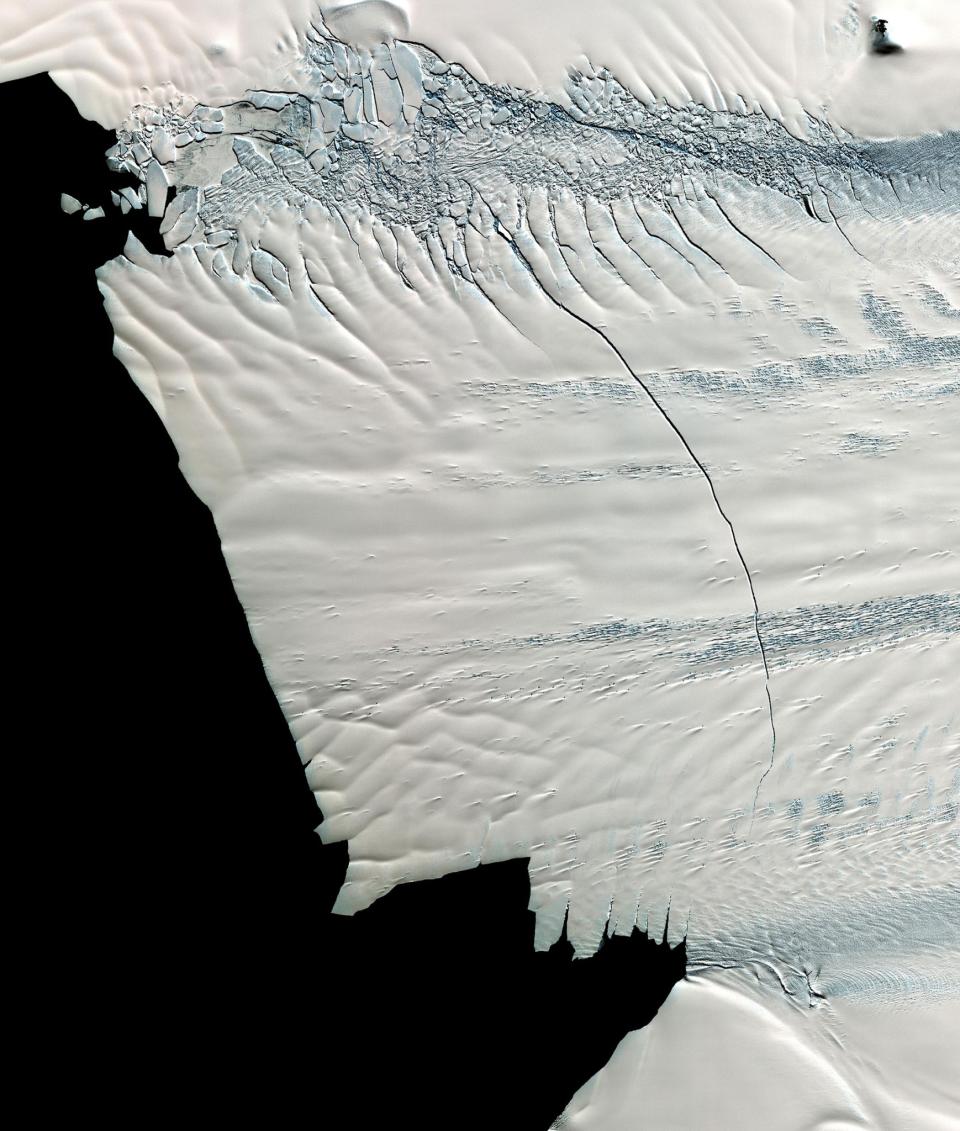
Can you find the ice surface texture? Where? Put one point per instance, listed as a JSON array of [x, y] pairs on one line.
[[584, 461], [523, 560]]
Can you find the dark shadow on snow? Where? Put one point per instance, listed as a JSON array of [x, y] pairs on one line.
[[880, 41]]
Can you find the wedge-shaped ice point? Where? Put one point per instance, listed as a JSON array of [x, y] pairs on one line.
[[387, 92], [135, 251], [130, 196], [93, 214], [69, 203], [157, 185], [410, 77], [163, 148]]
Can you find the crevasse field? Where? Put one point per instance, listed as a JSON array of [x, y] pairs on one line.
[[576, 391]]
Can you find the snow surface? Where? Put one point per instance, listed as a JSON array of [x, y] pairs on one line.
[[718, 1055]]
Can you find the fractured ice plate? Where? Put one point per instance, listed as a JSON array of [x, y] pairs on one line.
[[582, 448]]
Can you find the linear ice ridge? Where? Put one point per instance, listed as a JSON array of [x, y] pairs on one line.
[[415, 141]]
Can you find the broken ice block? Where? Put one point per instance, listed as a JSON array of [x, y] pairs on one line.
[[156, 184]]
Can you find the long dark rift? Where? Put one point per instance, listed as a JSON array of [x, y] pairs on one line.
[[651, 396]]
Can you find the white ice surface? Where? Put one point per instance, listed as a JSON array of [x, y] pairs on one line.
[[779, 55], [721, 1056], [501, 612], [492, 589]]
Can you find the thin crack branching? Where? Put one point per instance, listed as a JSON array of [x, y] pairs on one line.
[[674, 427]]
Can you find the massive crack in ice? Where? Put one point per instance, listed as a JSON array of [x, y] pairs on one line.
[[417, 142], [494, 394], [466, 297], [720, 510]]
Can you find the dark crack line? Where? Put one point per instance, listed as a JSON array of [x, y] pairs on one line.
[[836, 221], [601, 254], [776, 973], [676, 250], [477, 282], [713, 491], [693, 242], [858, 199], [896, 192], [723, 212], [343, 220], [629, 245]]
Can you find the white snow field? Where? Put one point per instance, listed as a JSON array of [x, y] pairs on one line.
[[575, 389]]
